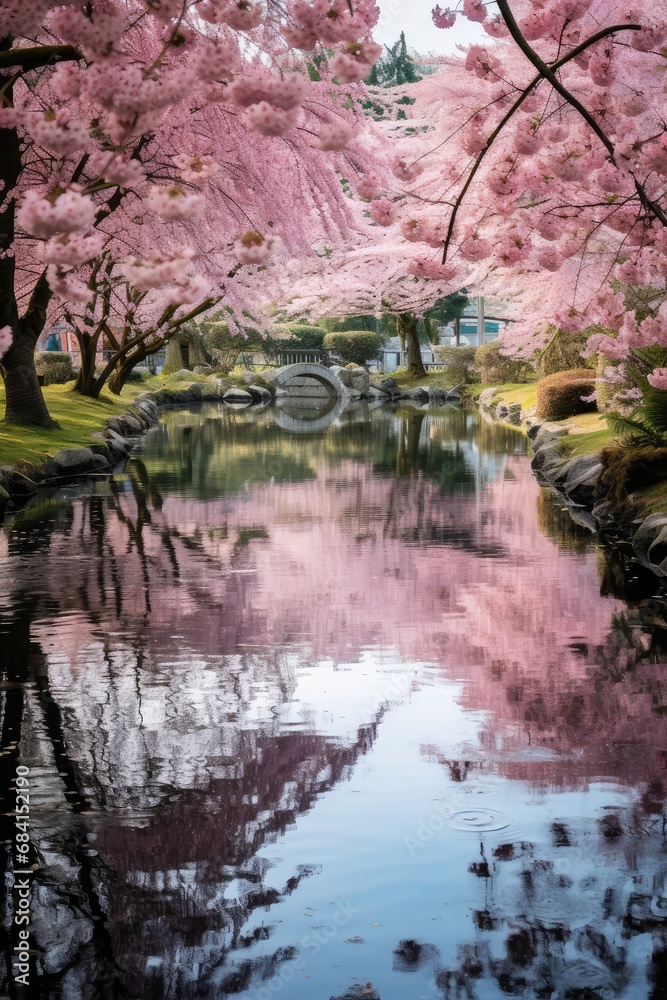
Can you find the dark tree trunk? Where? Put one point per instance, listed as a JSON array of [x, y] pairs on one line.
[[415, 363], [125, 367], [86, 383], [25, 402]]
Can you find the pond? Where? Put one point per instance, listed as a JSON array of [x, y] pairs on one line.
[[333, 704]]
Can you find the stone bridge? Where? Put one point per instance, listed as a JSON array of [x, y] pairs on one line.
[[306, 379]]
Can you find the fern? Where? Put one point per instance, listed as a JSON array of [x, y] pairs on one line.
[[633, 429]]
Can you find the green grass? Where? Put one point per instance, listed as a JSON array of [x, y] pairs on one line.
[[585, 444], [439, 379], [78, 417]]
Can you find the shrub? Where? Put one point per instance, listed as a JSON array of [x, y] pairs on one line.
[[563, 352], [559, 395], [225, 347], [625, 470], [359, 346], [496, 369], [55, 366], [300, 335], [460, 363]]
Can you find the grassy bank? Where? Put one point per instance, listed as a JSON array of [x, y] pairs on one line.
[[78, 417], [588, 432]]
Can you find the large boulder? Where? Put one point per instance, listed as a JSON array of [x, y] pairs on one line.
[[236, 395], [4, 499], [74, 461], [648, 532], [419, 393], [360, 380], [436, 394], [344, 374], [582, 476], [127, 425], [546, 433], [15, 483], [260, 394]]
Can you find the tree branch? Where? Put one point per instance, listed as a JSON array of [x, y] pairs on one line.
[[38, 55], [546, 72]]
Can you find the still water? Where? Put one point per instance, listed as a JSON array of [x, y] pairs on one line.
[[333, 705]]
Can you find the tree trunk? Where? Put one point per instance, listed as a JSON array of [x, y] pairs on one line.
[[173, 361], [25, 402], [126, 366], [415, 363], [86, 383], [457, 330]]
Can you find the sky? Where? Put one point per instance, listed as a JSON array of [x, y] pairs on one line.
[[414, 18]]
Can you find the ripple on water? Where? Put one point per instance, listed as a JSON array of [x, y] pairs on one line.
[[478, 819]]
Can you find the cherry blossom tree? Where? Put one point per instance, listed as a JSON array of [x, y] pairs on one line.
[[184, 139], [559, 188], [533, 167]]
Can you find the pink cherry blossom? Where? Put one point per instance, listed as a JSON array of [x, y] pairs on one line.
[[270, 120], [405, 171], [368, 187], [423, 267], [658, 378], [242, 15], [355, 63], [66, 286], [195, 168], [58, 133], [382, 211], [117, 169], [153, 272], [286, 92], [443, 18], [72, 249], [187, 291], [66, 211], [475, 10], [335, 135], [173, 204], [253, 248]]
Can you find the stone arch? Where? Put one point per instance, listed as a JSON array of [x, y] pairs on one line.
[[282, 377], [302, 425]]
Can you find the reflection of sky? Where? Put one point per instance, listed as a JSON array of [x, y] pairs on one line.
[[265, 622], [387, 849]]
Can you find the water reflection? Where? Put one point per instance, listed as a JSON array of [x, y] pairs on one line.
[[309, 711]]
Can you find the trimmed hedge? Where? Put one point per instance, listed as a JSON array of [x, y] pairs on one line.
[[358, 346], [301, 335], [495, 368], [559, 395], [55, 366]]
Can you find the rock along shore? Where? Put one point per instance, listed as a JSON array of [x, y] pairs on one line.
[[578, 481], [110, 447]]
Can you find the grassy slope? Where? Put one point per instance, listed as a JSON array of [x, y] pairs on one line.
[[78, 417]]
